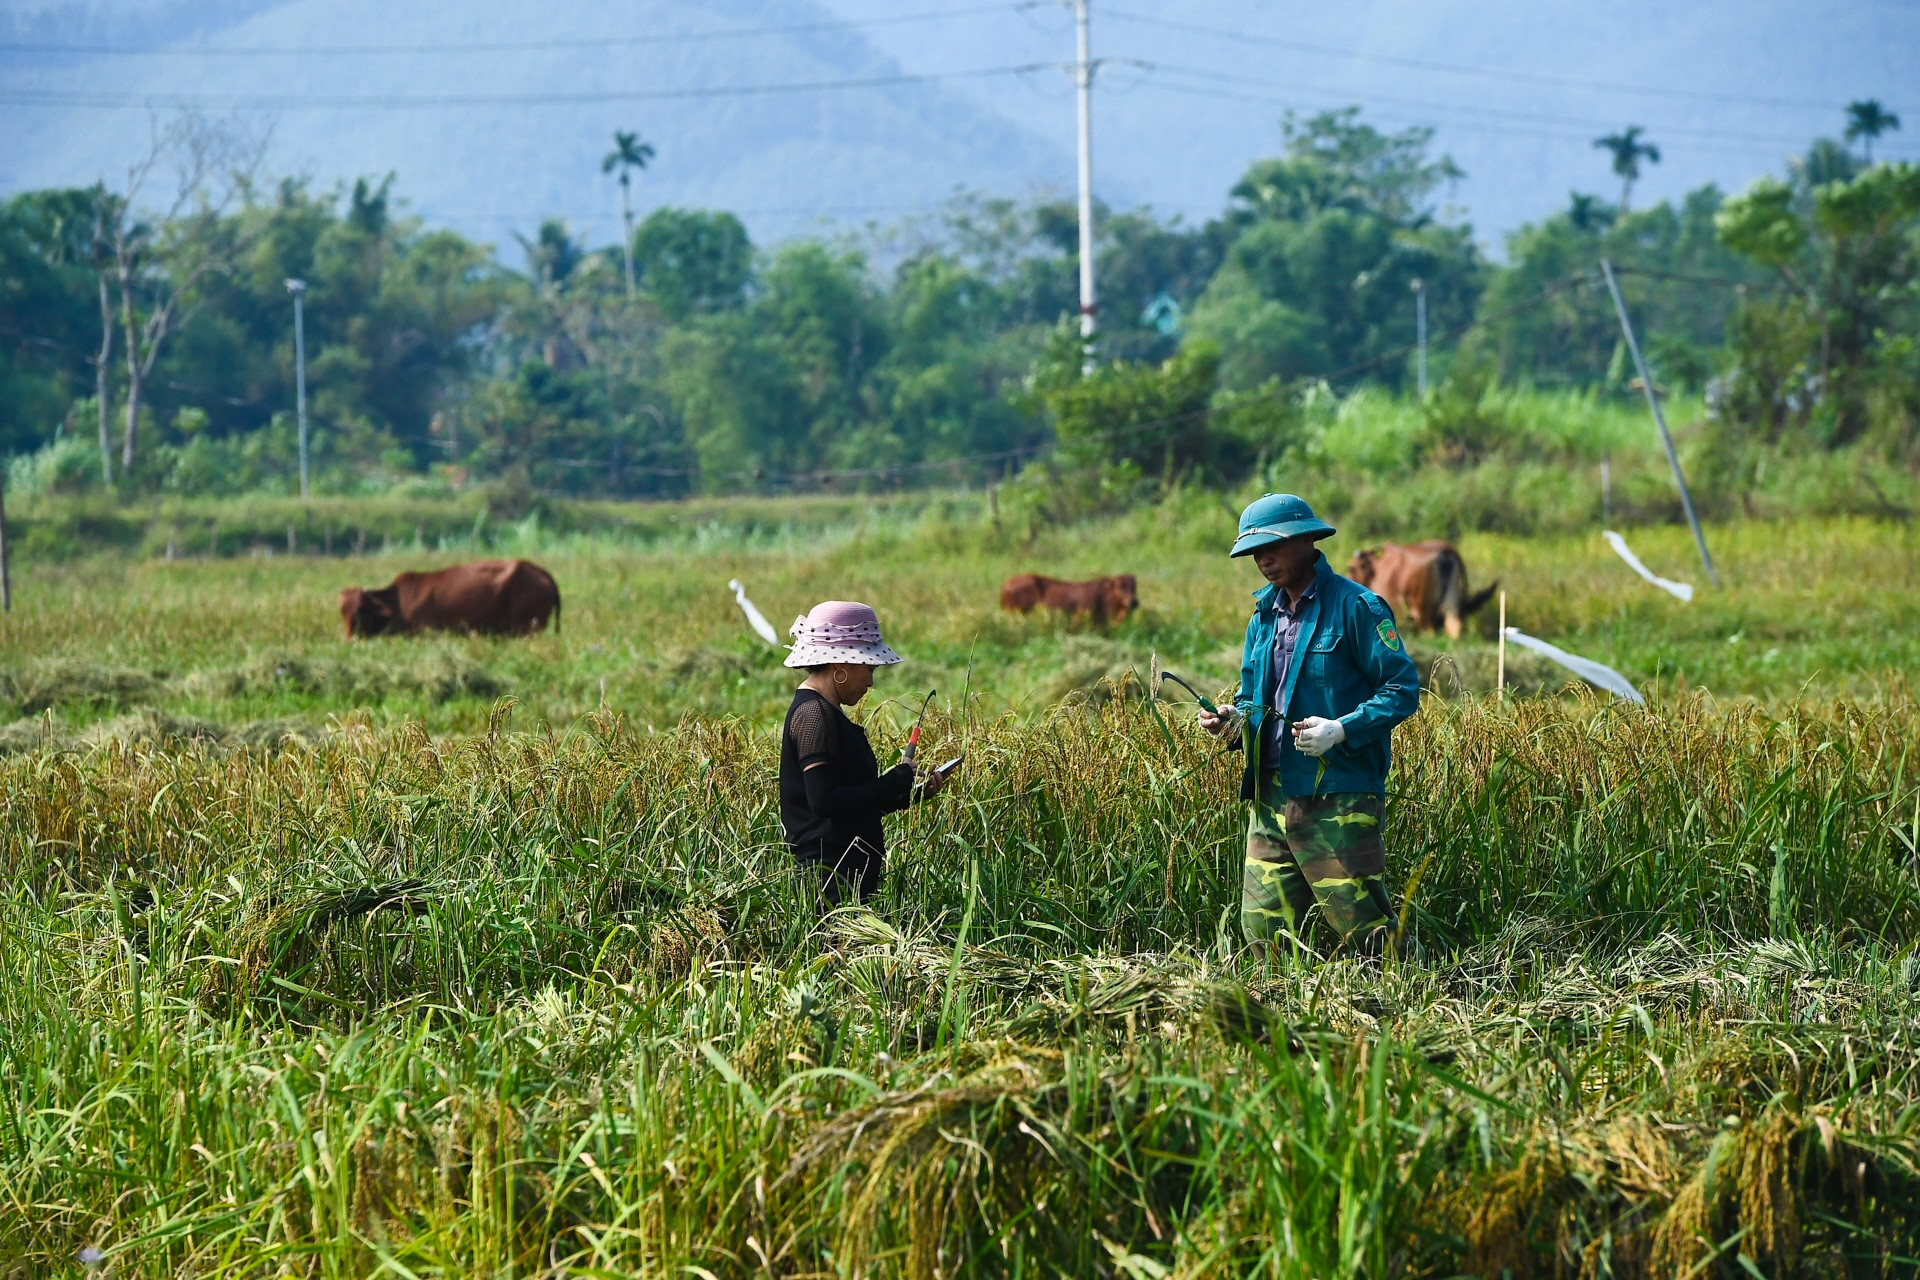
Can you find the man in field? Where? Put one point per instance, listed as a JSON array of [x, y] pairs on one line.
[[1323, 680]]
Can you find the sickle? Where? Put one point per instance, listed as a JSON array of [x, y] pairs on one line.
[[1198, 697], [913, 738]]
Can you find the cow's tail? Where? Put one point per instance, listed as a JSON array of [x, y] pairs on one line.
[[1477, 601], [1452, 573]]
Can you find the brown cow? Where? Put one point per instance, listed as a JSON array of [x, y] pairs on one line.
[[500, 597], [1106, 599], [1425, 584]]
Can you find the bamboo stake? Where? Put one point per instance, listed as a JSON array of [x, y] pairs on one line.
[[1501, 688]]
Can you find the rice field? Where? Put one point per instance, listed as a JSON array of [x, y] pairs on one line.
[[429, 959], [252, 643]]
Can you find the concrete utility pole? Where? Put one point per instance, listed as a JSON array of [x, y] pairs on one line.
[[1420, 329], [1659, 419], [1083, 85], [297, 288]]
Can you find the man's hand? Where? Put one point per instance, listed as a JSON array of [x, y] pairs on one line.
[[1217, 723], [931, 782], [1315, 737]]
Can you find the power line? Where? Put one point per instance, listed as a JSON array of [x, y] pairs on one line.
[[600, 215], [495, 46], [1689, 278], [1705, 139], [801, 28], [1472, 126], [1501, 113], [1244, 37], [114, 101]]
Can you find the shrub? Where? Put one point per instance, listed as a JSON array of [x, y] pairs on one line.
[[69, 465]]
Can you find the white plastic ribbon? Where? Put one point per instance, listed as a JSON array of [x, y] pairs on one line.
[[1681, 590], [1592, 672], [755, 619]]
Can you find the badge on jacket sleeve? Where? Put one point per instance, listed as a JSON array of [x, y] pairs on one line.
[[1388, 636]]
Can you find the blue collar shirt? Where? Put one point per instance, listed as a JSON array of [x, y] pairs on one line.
[[1286, 637]]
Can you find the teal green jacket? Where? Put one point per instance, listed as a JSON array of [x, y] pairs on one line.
[[1348, 665]]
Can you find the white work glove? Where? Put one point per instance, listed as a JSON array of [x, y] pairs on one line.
[[1315, 737]]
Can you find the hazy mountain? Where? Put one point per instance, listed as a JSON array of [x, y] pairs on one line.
[[1193, 91], [782, 160]]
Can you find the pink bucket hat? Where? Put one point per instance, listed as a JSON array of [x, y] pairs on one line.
[[839, 631]]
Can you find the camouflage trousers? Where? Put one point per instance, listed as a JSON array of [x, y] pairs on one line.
[[1307, 851]]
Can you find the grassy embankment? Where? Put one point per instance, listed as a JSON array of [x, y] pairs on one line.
[[525, 1000]]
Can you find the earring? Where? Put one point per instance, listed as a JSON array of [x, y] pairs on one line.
[[839, 677]]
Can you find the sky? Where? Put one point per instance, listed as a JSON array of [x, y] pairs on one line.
[[1516, 93], [810, 115]]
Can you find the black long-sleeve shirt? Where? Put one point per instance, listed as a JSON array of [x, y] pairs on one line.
[[836, 808]]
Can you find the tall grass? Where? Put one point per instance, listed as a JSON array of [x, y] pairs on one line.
[[552, 1003], [457, 956], [1514, 460]]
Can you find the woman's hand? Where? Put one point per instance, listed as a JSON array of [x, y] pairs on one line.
[[1217, 723], [932, 782]]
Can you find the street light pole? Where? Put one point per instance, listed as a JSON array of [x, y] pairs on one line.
[[298, 288], [1420, 329], [1083, 84]]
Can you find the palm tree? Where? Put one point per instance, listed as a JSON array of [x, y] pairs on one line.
[[1867, 120], [628, 154], [1588, 213], [1628, 151], [552, 254]]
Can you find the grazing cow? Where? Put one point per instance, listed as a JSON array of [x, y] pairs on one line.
[[1106, 599], [499, 597], [1425, 584]]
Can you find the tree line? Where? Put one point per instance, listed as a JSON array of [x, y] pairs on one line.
[[145, 330]]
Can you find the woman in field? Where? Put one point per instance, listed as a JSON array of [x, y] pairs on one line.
[[832, 793]]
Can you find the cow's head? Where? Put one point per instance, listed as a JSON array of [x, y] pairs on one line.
[[367, 613], [1123, 596], [1361, 567]]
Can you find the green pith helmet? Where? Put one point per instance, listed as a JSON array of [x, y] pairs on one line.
[[1274, 516]]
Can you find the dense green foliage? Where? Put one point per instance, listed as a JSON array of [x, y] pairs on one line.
[[932, 352], [48, 315], [1835, 353], [1326, 242], [1552, 322], [392, 308]]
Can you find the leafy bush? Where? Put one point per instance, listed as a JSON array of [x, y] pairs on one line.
[[1847, 258], [1119, 424], [69, 465], [1465, 425]]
